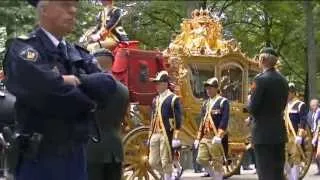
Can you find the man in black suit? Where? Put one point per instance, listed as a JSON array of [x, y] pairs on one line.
[[105, 158], [268, 101]]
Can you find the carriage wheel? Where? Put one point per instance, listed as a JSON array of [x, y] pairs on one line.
[[136, 164], [233, 164], [308, 151]]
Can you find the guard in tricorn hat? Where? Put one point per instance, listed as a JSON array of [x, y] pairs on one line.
[[109, 30], [165, 125], [212, 139], [297, 112]]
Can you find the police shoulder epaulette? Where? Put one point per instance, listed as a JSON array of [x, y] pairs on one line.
[[26, 37]]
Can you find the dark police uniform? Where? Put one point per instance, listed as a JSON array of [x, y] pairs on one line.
[[268, 101], [61, 113]]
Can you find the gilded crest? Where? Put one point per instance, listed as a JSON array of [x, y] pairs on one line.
[[29, 54]]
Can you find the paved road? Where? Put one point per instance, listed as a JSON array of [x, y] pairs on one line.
[[246, 175]]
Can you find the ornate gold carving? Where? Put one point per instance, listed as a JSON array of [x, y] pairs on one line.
[[201, 35]]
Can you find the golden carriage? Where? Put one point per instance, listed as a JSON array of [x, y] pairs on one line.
[[198, 53]]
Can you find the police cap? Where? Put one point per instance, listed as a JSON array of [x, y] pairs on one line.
[[268, 50]]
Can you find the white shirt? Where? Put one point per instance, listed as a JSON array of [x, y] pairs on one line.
[[53, 39]]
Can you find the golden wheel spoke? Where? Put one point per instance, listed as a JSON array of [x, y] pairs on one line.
[[153, 174], [135, 153], [146, 176], [131, 167], [126, 177], [136, 173]]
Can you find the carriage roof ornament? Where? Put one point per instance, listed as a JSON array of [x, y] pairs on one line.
[[201, 36]]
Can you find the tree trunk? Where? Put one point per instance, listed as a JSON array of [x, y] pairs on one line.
[[267, 25], [311, 56], [306, 85]]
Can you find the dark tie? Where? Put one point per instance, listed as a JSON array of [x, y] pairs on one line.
[[63, 50], [65, 58]]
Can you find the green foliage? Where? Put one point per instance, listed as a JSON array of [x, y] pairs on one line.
[[155, 23]]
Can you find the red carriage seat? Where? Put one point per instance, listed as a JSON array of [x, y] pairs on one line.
[[134, 67]]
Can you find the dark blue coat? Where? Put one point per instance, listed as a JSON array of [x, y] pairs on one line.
[[171, 110], [34, 68], [219, 114], [298, 114]]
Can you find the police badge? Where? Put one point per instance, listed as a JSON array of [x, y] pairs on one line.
[[29, 54]]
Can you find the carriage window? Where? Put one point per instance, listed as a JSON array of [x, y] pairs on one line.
[[144, 72], [199, 74], [231, 82]]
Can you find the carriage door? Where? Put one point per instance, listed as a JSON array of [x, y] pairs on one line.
[[232, 81]]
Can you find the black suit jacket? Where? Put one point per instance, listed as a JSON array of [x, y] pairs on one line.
[[268, 102], [109, 119]]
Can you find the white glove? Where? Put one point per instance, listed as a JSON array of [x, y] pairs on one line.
[[216, 140], [95, 37], [314, 141], [196, 143], [298, 140], [176, 143]]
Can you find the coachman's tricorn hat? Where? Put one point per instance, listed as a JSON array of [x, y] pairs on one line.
[[269, 50], [162, 76], [213, 82], [292, 87]]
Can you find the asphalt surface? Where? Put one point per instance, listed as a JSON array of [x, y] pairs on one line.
[[245, 175]]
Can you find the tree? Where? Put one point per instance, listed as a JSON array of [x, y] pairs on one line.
[[312, 64]]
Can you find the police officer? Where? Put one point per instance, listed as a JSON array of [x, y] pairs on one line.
[[268, 101], [54, 102], [297, 112], [211, 137], [109, 26], [165, 125]]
